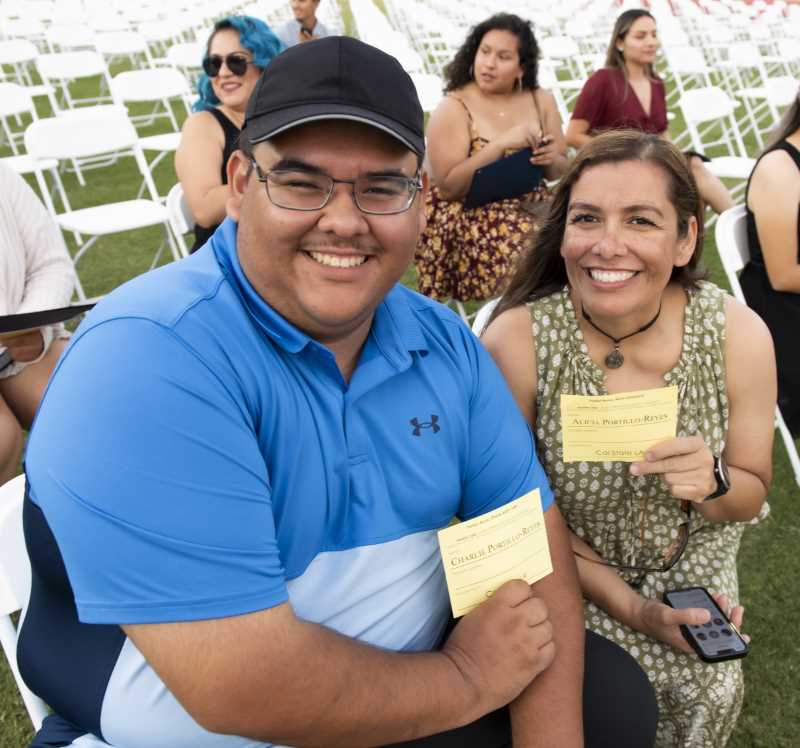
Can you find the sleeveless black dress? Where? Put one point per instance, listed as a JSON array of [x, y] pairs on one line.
[[203, 233], [779, 309]]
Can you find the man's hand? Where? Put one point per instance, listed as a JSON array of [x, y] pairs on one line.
[[25, 346], [502, 645], [663, 622]]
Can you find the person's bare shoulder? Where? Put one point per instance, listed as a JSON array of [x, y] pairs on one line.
[[775, 173], [509, 340], [202, 125], [747, 339]]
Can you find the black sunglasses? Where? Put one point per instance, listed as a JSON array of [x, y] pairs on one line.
[[237, 63]]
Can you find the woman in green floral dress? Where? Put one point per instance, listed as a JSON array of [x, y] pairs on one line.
[[610, 300]]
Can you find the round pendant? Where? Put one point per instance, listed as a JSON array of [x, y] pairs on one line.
[[615, 359]]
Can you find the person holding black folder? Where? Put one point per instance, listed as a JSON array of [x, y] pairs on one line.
[[35, 273], [492, 142]]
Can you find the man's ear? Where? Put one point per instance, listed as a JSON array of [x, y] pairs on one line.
[[238, 170]]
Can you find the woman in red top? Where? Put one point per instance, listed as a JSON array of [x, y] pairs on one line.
[[627, 93]]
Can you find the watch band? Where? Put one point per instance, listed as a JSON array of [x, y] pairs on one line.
[[723, 479]]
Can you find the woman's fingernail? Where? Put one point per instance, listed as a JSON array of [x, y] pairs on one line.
[[634, 469]]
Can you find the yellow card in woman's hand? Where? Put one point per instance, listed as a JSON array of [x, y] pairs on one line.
[[621, 427]]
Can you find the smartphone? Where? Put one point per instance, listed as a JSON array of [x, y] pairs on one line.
[[715, 641], [5, 359]]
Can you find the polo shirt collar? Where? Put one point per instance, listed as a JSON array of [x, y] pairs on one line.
[[395, 327]]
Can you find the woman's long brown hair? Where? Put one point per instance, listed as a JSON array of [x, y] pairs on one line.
[[542, 271]]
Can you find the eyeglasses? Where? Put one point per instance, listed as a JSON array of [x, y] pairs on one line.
[[237, 63], [670, 557], [295, 189]]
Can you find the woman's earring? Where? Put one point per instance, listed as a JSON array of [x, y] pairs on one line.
[[472, 71], [519, 83]]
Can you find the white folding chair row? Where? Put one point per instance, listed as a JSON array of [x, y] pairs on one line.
[[734, 253], [83, 134]]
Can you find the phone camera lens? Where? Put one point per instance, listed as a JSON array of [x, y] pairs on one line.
[[726, 632], [714, 634], [701, 636], [719, 621], [707, 625]]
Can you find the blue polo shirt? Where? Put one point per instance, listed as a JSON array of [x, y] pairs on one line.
[[196, 456]]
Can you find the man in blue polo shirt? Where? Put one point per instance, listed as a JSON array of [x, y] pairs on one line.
[[239, 469]]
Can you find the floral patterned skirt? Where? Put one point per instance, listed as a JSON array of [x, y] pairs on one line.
[[467, 254]]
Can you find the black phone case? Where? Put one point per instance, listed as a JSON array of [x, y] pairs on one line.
[[694, 644]]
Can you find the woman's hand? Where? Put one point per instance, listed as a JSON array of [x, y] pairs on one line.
[[686, 465], [545, 152], [519, 136], [662, 622], [24, 347]]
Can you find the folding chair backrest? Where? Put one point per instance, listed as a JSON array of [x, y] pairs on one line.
[[179, 214], [15, 99], [80, 133], [89, 131], [705, 104], [71, 65], [15, 584], [730, 234], [15, 51], [120, 43], [482, 316], [149, 85]]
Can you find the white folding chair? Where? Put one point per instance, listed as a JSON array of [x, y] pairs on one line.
[[61, 68], [181, 219], [157, 86], [708, 111], [15, 585], [128, 44], [19, 54], [734, 253], [14, 101], [91, 135]]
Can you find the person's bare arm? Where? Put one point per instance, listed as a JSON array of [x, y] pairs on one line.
[[686, 464], [271, 676], [752, 392], [452, 168], [578, 133], [550, 711], [774, 197], [552, 151], [198, 164]]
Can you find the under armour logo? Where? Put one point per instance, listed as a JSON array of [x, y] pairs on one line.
[[433, 425]]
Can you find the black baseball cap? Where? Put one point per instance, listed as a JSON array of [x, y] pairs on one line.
[[336, 77]]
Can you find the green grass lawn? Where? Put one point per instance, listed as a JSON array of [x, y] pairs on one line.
[[769, 562]]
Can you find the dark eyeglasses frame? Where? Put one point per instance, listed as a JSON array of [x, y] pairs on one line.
[[414, 185], [669, 560], [236, 62]]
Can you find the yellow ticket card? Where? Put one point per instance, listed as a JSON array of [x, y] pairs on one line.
[[617, 427], [483, 553]]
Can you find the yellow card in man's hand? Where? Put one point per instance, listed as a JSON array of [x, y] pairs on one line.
[[617, 427], [483, 553]]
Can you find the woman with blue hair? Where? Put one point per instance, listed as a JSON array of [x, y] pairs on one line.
[[238, 49]]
